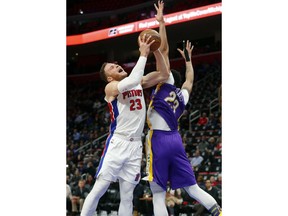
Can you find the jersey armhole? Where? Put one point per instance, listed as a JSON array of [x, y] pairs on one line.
[[170, 79], [185, 95]]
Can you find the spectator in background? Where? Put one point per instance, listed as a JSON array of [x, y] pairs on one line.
[[75, 178], [213, 181], [219, 181], [89, 182], [103, 130], [78, 158], [212, 120], [68, 179], [203, 120], [76, 134], [80, 117], [80, 167], [97, 104], [200, 181], [219, 144], [173, 197], [78, 196], [88, 156], [90, 169], [203, 144], [212, 145], [85, 135], [196, 160]]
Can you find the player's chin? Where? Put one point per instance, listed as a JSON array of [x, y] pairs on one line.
[[122, 75]]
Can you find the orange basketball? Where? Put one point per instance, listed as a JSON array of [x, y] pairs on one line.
[[154, 36]]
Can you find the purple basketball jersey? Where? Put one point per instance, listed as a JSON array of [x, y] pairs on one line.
[[168, 101]]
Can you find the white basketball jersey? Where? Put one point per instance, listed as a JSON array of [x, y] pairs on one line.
[[128, 113]]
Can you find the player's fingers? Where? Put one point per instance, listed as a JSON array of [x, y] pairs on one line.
[[147, 38], [156, 7], [143, 38], [179, 50], [188, 45], [149, 44]]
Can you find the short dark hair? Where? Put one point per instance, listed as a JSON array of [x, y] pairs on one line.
[[177, 78], [102, 72]]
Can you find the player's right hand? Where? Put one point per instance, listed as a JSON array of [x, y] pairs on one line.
[[144, 45]]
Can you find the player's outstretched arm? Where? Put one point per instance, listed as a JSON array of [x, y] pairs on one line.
[[164, 47], [187, 55], [156, 77]]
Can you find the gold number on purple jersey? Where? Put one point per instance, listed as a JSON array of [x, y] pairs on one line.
[[172, 101]]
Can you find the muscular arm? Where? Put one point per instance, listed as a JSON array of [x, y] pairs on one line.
[[188, 84], [161, 55], [156, 77], [135, 76], [164, 47]]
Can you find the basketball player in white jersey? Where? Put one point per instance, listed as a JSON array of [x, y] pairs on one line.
[[122, 155]]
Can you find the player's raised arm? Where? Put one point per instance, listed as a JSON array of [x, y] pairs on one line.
[[156, 77], [164, 47], [187, 55]]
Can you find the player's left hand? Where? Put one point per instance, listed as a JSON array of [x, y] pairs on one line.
[[159, 16]]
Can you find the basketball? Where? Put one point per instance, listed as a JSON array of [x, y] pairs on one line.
[[154, 36]]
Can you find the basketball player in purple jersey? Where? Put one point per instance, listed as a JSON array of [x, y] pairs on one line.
[[165, 155], [122, 155]]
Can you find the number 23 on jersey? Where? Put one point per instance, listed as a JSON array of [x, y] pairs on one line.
[[135, 104]]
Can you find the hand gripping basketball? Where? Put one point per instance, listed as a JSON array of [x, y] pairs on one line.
[[154, 36]]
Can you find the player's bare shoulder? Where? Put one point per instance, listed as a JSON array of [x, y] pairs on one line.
[[111, 90]]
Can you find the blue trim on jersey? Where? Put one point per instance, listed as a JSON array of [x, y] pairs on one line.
[[104, 153], [113, 125], [116, 114]]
